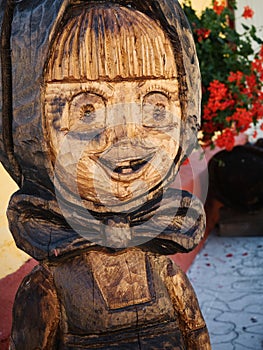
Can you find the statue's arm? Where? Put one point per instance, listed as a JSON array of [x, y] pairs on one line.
[[35, 313], [185, 302]]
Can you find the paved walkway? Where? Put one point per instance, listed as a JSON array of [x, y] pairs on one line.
[[227, 276]]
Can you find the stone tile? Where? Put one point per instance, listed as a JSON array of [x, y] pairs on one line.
[[220, 339], [227, 277], [250, 341], [223, 346]]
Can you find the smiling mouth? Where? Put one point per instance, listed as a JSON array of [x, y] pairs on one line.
[[126, 167]]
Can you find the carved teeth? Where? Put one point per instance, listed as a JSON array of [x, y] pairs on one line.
[[132, 167], [123, 170], [126, 170], [126, 167]]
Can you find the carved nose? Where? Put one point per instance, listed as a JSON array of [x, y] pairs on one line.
[[119, 133], [123, 132]]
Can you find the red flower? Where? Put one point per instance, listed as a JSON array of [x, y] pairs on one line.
[[218, 91], [202, 33], [219, 8], [228, 103], [226, 139], [257, 64], [186, 161], [209, 127], [235, 76], [242, 117], [248, 12], [251, 82], [257, 109], [220, 99]]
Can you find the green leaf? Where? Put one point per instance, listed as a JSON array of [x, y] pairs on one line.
[[244, 26]]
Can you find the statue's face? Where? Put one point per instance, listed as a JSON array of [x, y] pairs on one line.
[[113, 141], [111, 106]]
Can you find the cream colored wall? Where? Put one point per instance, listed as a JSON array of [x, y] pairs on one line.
[[11, 258], [199, 5]]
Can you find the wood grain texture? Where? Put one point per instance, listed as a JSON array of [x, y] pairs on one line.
[[122, 278], [169, 318], [35, 24], [118, 43], [105, 107]]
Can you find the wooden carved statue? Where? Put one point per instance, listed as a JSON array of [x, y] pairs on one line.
[[100, 106]]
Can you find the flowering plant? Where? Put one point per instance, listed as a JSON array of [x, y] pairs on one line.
[[232, 73]]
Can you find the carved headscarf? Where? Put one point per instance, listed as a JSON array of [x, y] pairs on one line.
[[29, 28]]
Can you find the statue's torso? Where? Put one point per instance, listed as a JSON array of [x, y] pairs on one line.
[[115, 302]]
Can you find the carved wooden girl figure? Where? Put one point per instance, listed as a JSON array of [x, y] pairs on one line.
[[105, 106]]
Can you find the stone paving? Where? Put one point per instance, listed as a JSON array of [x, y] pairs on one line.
[[227, 276]]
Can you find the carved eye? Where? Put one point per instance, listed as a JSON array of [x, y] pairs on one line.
[[87, 112], [156, 110]]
